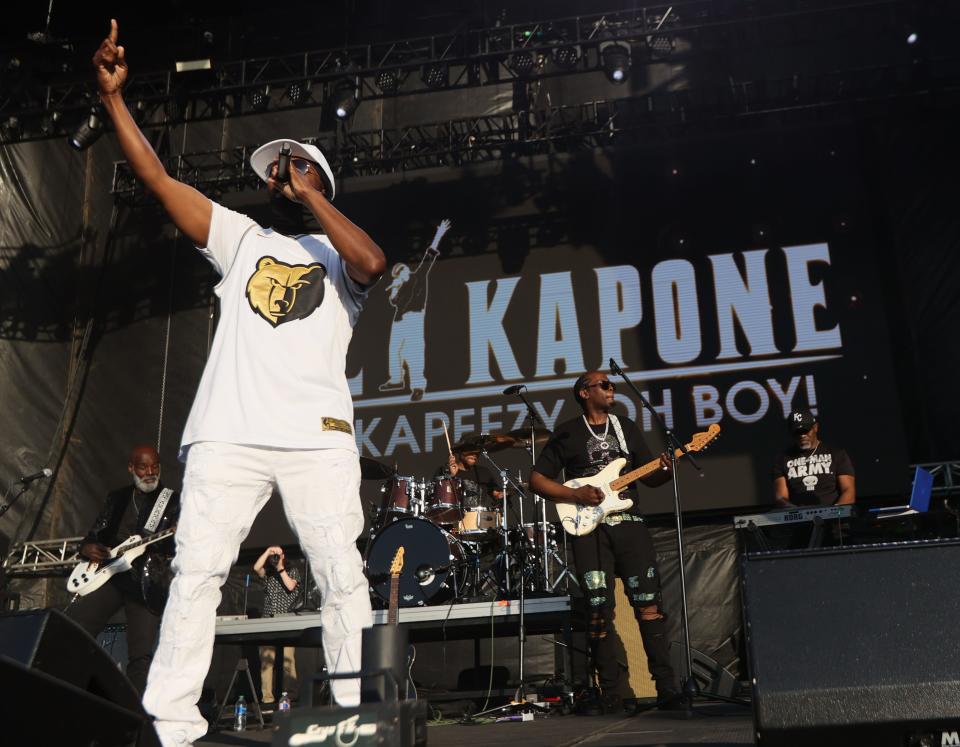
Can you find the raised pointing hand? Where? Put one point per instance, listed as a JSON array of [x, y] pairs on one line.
[[110, 63]]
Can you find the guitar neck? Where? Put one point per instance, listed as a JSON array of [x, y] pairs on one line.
[[394, 598], [638, 474], [150, 540]]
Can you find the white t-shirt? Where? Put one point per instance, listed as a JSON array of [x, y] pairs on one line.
[[276, 373]]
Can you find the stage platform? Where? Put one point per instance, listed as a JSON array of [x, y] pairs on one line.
[[714, 724], [541, 615]]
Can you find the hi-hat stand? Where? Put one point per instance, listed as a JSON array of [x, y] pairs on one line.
[[508, 481]]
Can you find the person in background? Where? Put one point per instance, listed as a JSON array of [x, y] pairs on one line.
[[281, 591]]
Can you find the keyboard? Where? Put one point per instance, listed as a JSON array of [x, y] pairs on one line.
[[792, 516]]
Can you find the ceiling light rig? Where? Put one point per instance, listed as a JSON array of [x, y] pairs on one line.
[[616, 59], [436, 75], [345, 97]]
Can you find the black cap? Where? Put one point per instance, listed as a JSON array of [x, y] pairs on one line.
[[802, 420]]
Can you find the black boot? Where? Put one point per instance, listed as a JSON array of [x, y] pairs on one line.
[[657, 647]]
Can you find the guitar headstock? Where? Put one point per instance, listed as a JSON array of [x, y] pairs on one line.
[[701, 440], [397, 565]]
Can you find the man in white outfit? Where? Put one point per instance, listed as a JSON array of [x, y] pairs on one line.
[[273, 408]]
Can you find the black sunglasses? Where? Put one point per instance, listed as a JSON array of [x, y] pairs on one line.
[[605, 385]]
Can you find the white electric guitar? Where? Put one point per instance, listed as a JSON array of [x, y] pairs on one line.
[[578, 519], [90, 575]]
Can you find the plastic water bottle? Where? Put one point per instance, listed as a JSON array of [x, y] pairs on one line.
[[240, 715], [284, 702]]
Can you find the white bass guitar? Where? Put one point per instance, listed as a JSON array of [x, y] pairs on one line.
[[89, 576]]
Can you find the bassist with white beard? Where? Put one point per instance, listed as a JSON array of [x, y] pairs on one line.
[[126, 512]]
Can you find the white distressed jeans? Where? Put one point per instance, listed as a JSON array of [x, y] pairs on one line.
[[224, 488]]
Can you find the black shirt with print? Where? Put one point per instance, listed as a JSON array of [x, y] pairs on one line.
[[580, 450], [811, 474]]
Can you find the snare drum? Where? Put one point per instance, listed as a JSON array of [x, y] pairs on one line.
[[479, 521], [443, 505], [398, 499]]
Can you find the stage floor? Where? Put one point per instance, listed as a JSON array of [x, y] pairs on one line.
[[713, 724]]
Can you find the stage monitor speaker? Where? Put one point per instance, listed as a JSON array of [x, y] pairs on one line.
[[854, 645], [63, 688]]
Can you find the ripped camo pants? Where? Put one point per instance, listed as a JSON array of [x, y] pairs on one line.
[[625, 551], [224, 488]]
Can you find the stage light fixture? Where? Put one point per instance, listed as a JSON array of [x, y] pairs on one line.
[[661, 46], [89, 131], [435, 74], [345, 97], [12, 130], [298, 92], [522, 62], [616, 60], [567, 56], [139, 111], [388, 81], [912, 38], [48, 122], [260, 98]]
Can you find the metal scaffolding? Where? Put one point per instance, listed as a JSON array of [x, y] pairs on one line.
[[587, 126], [55, 557], [460, 59]]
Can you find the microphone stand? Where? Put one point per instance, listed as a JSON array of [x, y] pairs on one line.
[[535, 418], [689, 688], [24, 487]]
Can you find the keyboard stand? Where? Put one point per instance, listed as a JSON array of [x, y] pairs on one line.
[[758, 536]]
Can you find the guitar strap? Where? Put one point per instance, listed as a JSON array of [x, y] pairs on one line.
[[619, 431], [153, 521]]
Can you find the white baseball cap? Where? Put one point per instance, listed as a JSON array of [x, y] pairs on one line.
[[264, 156]]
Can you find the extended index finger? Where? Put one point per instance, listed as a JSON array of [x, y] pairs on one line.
[[113, 30]]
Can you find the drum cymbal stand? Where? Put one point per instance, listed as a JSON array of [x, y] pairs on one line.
[[506, 480], [566, 573], [540, 503]]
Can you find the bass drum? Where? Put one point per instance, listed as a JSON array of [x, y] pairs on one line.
[[432, 563]]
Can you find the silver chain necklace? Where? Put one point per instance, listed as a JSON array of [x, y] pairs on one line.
[[604, 444]]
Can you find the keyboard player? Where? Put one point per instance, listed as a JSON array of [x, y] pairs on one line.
[[812, 472]]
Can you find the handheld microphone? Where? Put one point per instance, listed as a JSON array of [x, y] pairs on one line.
[[45, 472], [514, 389], [614, 368], [283, 164]]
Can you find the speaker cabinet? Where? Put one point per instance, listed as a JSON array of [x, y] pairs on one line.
[[63, 688], [854, 645]]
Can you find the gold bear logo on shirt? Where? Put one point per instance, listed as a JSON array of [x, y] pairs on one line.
[[283, 293]]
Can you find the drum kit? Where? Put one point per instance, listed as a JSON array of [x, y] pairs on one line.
[[457, 550]]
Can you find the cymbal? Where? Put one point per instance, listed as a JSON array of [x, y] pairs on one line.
[[371, 469], [522, 436], [481, 442], [491, 442]]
